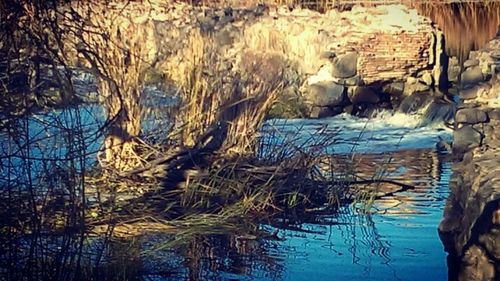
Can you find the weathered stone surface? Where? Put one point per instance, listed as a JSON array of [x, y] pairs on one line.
[[466, 138], [491, 242], [471, 116], [323, 112], [411, 80], [326, 94], [477, 266], [469, 94], [412, 88], [470, 229], [428, 79], [494, 114], [414, 102], [453, 69], [394, 89], [360, 94], [471, 62], [471, 77], [354, 81], [345, 66]]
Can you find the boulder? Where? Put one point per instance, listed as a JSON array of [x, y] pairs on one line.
[[427, 79], [494, 114], [471, 62], [359, 94], [476, 266], [345, 66], [326, 94], [470, 116], [469, 94], [411, 80], [349, 109], [415, 88], [414, 102], [394, 89], [453, 73], [324, 111], [491, 242], [471, 77], [466, 138], [354, 81]]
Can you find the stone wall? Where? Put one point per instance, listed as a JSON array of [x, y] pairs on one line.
[[349, 58], [342, 61], [470, 229]]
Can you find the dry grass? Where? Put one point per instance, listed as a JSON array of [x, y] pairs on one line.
[[222, 104], [466, 26]]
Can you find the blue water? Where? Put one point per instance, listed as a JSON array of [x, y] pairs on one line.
[[395, 239]]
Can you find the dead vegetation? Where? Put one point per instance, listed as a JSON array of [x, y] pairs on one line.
[[215, 172]]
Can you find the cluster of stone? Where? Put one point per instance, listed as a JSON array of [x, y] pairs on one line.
[[377, 64], [352, 61], [471, 225]]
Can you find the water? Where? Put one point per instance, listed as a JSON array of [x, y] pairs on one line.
[[397, 239]]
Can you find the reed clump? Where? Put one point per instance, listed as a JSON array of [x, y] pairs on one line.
[[221, 167]]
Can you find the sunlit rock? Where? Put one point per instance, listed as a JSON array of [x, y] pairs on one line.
[[471, 77], [326, 94], [470, 116], [345, 66], [466, 138]]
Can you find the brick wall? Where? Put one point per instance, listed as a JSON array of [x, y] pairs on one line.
[[385, 56]]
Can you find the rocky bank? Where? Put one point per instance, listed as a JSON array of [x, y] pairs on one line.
[[470, 228]]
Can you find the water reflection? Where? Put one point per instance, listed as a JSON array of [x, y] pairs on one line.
[[466, 26], [397, 240], [349, 245]]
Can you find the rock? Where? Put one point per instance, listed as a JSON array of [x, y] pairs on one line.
[[224, 37], [326, 94], [345, 66], [412, 88], [394, 89], [411, 80], [324, 111], [495, 219], [494, 114], [414, 102], [354, 81], [471, 62], [473, 55], [471, 77], [453, 69], [327, 55], [359, 94], [349, 109], [453, 73], [491, 242], [470, 116], [427, 79], [476, 266], [465, 138], [469, 94]]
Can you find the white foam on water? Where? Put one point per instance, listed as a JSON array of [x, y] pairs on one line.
[[384, 132]]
